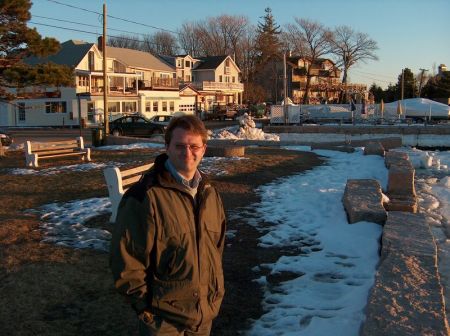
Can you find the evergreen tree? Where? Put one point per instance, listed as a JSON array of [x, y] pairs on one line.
[[391, 93], [268, 43], [438, 86], [410, 89], [377, 93], [17, 42], [268, 57]]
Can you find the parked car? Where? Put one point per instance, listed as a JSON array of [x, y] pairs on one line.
[[222, 112], [5, 138], [161, 119], [135, 126]]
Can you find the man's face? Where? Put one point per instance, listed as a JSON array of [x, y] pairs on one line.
[[185, 151]]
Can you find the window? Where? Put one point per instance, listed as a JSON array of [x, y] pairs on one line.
[[234, 79], [114, 107], [155, 106], [55, 107], [90, 111], [179, 63], [82, 81], [188, 64], [128, 107], [220, 78], [148, 106], [164, 106], [172, 106], [21, 111], [227, 62], [91, 61]]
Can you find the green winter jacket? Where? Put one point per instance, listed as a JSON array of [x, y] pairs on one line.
[[166, 249]]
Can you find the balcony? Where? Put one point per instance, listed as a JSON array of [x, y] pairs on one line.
[[218, 86], [159, 83]]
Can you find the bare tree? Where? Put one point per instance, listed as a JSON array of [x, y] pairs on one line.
[[214, 36], [350, 47], [125, 41], [188, 40], [312, 41], [162, 43]]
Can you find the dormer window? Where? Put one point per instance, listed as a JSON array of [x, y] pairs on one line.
[[187, 64]]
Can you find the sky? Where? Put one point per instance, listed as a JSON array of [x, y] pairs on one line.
[[410, 34], [337, 262]]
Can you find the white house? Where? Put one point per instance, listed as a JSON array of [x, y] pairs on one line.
[[136, 82], [216, 80]]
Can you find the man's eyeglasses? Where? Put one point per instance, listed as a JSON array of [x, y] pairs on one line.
[[192, 148]]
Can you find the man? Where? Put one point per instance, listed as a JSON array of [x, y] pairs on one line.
[[166, 250]]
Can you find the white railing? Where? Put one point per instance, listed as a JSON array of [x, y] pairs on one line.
[[212, 86]]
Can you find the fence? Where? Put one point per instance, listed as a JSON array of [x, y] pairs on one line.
[[324, 112]]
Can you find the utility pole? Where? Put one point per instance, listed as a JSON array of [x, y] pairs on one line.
[[421, 80], [105, 76], [285, 108], [403, 85]]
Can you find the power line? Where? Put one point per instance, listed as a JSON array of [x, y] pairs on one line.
[[115, 17], [370, 73], [88, 25], [97, 34], [376, 79]]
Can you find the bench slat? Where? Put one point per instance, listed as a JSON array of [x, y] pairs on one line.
[[136, 170], [43, 148], [57, 151], [131, 180], [62, 154], [58, 144]]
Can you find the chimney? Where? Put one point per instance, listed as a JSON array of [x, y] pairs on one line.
[[100, 43]]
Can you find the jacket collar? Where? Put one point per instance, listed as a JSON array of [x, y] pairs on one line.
[[165, 178]]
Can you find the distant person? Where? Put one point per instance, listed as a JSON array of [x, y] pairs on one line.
[[166, 249]]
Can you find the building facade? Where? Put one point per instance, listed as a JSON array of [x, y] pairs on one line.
[[325, 83], [136, 82], [216, 79]]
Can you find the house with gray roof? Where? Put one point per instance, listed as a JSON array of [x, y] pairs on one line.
[[213, 80], [136, 82]]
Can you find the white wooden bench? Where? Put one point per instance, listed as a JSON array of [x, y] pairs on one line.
[[35, 151], [119, 181]]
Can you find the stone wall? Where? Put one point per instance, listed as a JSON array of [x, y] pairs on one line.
[[407, 295]]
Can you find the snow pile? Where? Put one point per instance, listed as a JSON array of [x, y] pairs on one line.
[[427, 159], [246, 130]]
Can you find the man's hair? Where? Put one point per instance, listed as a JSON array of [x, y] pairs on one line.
[[189, 123]]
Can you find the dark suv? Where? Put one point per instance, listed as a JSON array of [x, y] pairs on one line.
[[135, 126]]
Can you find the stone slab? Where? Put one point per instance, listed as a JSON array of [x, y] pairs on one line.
[[363, 201], [225, 151], [397, 158], [400, 181], [407, 296], [374, 148]]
